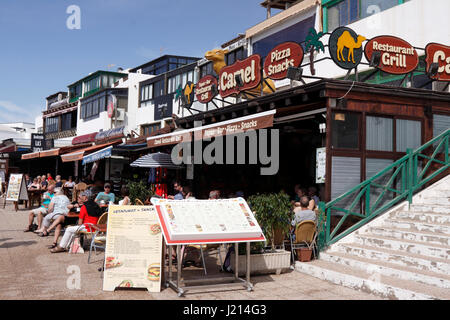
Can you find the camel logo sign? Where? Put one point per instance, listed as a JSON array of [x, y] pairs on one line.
[[438, 53], [249, 72], [206, 89], [283, 56], [346, 47], [396, 55], [188, 94]]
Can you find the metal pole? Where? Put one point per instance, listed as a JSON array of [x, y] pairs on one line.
[[248, 264], [178, 265], [236, 263]]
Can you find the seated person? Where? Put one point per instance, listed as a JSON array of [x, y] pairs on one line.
[[187, 193], [69, 183], [214, 195], [44, 182], [34, 185], [58, 206], [107, 196], [89, 214], [300, 193], [41, 211], [303, 213], [58, 183], [126, 196], [178, 188]]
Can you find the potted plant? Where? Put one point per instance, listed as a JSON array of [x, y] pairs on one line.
[[273, 213], [139, 190]]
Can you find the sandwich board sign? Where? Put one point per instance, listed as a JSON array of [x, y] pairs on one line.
[[17, 189], [186, 222], [133, 251]]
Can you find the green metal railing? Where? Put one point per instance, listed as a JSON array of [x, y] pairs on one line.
[[397, 182]]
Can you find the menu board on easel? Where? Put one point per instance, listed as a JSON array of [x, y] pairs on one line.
[[133, 249], [207, 221], [17, 189]]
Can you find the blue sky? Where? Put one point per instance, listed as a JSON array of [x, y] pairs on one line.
[[39, 55]]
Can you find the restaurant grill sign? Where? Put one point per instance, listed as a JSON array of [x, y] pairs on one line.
[[396, 55], [206, 89]]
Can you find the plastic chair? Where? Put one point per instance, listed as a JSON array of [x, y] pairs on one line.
[[305, 236], [98, 240]]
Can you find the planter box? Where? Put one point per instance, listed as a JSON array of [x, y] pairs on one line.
[[271, 262], [304, 254]]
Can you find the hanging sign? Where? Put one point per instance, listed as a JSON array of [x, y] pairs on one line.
[[438, 53], [37, 142], [283, 56], [397, 55], [206, 89], [16, 188], [163, 107], [346, 47], [250, 72], [133, 249], [188, 94]]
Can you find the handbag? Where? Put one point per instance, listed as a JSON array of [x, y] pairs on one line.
[[75, 246]]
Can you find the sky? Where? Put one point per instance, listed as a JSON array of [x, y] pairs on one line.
[[40, 55]]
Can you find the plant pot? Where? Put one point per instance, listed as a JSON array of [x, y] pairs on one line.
[[304, 254], [264, 263]]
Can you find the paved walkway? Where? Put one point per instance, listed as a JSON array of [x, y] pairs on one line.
[[29, 271]]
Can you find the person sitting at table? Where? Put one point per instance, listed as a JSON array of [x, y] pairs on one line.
[[187, 193], [49, 177], [125, 193], [89, 214], [70, 183], [303, 213], [44, 182], [301, 193], [178, 188], [59, 222], [107, 196], [58, 207], [214, 195], [34, 185], [58, 183], [41, 211]]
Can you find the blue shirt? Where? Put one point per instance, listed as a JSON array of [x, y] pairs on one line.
[[178, 196], [105, 197]]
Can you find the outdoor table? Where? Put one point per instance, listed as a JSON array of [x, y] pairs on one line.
[[73, 215]]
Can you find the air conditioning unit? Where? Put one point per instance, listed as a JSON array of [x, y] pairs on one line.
[[120, 114]]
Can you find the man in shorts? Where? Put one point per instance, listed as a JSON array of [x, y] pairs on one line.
[[42, 210], [57, 207]]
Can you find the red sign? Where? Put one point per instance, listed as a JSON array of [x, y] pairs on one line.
[[110, 109], [250, 72], [438, 53], [204, 89], [397, 55], [283, 56]]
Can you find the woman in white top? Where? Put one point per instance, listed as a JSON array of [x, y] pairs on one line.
[[70, 183], [126, 196]]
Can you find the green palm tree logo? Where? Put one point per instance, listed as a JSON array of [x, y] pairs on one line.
[[312, 40]]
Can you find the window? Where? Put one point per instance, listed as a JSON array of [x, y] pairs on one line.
[[238, 54], [66, 121], [75, 91], [347, 11], [147, 92], [345, 131], [409, 134], [158, 89], [440, 124], [207, 69], [146, 130], [379, 134], [52, 125]]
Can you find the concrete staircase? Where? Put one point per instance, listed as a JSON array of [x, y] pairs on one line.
[[403, 254]]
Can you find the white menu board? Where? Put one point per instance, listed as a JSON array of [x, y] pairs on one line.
[[207, 221], [133, 249], [16, 188], [321, 162]]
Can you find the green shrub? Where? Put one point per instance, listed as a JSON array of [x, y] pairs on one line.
[[139, 190]]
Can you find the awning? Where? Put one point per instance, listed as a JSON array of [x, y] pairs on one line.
[[156, 160], [31, 155], [84, 138], [98, 155], [79, 154], [252, 122], [49, 153]]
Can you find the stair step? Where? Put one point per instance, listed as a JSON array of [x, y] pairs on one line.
[[387, 269], [428, 250], [427, 217], [405, 259], [418, 226], [436, 238], [430, 208], [378, 284], [435, 200]]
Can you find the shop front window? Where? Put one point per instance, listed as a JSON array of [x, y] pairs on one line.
[[409, 134], [345, 131], [379, 134]]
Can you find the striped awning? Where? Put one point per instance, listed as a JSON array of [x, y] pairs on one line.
[[98, 155], [79, 154], [156, 160]]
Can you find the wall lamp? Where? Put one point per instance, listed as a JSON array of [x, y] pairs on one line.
[[433, 69], [239, 81]]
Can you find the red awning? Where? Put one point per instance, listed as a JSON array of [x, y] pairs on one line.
[[49, 153], [79, 154], [84, 138]]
